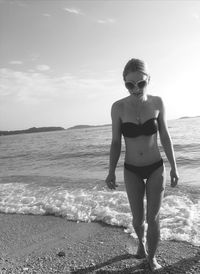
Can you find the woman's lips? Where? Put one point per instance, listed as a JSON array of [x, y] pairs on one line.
[[137, 94]]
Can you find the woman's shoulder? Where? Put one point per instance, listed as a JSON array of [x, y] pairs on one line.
[[118, 107], [156, 100], [119, 103]]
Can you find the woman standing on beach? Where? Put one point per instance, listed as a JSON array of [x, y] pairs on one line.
[[138, 117]]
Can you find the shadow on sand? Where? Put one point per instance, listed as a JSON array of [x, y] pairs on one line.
[[142, 267]]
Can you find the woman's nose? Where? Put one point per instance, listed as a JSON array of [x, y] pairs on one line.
[[137, 90]]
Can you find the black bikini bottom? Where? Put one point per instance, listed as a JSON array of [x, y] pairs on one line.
[[144, 172]]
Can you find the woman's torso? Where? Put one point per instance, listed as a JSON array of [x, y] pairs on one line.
[[142, 149]]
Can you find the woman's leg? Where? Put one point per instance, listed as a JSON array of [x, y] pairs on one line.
[[135, 188], [155, 186]]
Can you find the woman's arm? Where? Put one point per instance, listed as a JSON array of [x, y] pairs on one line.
[[167, 143], [115, 148]]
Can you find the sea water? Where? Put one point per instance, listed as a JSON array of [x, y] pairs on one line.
[[63, 173]]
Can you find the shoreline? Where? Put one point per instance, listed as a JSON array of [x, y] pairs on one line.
[[50, 244]]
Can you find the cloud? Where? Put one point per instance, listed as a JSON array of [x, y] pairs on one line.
[[16, 62], [42, 67], [22, 86], [196, 16], [46, 14], [37, 87], [74, 11], [18, 3], [106, 21], [99, 21], [33, 57]]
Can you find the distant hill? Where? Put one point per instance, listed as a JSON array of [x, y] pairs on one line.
[[188, 117], [31, 130], [87, 126]]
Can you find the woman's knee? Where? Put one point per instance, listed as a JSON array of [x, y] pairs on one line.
[[153, 220], [138, 222]]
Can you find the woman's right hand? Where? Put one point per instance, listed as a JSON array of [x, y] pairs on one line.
[[111, 181]]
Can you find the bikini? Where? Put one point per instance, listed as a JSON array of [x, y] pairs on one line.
[[133, 130]]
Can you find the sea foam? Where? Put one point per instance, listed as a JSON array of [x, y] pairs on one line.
[[180, 216]]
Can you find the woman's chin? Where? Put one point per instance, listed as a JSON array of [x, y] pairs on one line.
[[138, 95]]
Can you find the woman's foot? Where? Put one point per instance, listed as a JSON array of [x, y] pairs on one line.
[[141, 252], [154, 265]]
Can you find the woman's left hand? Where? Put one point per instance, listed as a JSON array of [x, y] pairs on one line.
[[174, 177]]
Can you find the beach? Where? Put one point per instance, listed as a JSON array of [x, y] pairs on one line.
[[50, 244], [58, 216]]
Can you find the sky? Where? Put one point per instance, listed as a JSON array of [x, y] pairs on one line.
[[61, 61]]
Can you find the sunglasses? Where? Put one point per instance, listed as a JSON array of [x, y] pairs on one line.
[[132, 84]]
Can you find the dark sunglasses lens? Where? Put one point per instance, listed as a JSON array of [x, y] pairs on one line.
[[129, 85], [142, 84]]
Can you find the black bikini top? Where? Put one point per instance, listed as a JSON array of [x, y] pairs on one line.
[[132, 130]]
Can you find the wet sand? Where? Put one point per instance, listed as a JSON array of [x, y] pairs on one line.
[[49, 244]]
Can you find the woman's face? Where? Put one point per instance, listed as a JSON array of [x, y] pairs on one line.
[[136, 83]]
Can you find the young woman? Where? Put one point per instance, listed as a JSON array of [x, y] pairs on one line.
[[139, 117]]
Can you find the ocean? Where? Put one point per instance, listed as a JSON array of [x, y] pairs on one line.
[[63, 173]]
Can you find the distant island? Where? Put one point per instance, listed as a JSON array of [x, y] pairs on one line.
[[87, 126], [188, 117], [31, 130], [106, 125]]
